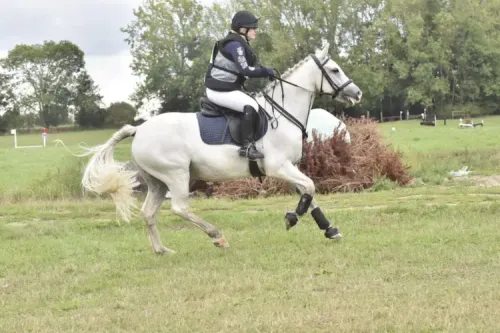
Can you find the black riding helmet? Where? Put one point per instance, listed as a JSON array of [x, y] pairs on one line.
[[244, 19]]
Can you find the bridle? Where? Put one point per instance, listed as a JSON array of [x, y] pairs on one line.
[[289, 116], [336, 89]]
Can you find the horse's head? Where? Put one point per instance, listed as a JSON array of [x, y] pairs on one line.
[[331, 79]]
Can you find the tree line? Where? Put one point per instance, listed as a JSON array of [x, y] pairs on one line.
[[46, 84], [441, 55]]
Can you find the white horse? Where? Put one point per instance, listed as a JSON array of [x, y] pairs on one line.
[[169, 150], [326, 125]]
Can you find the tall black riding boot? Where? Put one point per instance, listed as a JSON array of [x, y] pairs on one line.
[[248, 134]]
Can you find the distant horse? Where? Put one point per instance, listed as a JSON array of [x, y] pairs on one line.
[[173, 148], [327, 125]]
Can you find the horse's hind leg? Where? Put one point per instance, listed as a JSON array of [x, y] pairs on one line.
[[154, 199], [179, 191]]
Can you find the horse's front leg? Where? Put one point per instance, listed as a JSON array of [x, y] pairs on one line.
[[305, 187], [317, 214]]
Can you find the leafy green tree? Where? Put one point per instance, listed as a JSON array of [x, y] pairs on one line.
[[119, 114], [404, 54], [170, 50], [87, 102], [45, 76], [9, 114]]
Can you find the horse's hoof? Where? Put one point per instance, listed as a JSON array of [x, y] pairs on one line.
[[332, 233], [291, 219], [221, 242], [163, 250]]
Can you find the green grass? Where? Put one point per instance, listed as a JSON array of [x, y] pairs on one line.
[[22, 169], [418, 259], [432, 152], [410, 136], [412, 260]]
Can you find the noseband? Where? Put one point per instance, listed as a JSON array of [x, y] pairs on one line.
[[336, 90]]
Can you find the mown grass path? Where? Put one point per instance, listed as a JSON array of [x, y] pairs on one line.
[[412, 260]]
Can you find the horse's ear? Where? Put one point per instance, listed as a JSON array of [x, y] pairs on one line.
[[326, 47], [323, 52]]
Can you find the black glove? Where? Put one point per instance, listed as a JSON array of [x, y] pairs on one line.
[[271, 73]]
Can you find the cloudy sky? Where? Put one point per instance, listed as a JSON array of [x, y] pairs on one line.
[[93, 25]]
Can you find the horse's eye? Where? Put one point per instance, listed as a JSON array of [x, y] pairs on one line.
[[335, 70]]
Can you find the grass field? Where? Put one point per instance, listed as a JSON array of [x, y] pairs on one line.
[[419, 259], [23, 169], [431, 152], [434, 151]]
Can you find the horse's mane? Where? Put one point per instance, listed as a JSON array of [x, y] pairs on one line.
[[285, 75]]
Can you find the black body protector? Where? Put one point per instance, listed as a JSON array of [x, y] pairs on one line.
[[222, 61], [223, 75]]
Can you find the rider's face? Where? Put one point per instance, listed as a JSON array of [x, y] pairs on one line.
[[251, 34]]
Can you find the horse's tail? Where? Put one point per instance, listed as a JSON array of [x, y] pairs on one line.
[[103, 174]]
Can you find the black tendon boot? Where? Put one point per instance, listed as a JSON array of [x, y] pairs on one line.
[[248, 135]]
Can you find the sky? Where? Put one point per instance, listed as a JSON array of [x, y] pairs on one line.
[[93, 25]]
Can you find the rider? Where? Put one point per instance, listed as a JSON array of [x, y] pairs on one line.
[[232, 62]]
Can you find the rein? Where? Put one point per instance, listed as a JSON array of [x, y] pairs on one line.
[[289, 116]]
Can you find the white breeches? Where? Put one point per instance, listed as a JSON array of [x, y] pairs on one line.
[[234, 100]]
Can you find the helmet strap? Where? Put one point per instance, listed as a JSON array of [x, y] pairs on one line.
[[245, 34], [237, 31]]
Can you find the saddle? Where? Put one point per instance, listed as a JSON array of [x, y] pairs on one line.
[[220, 125], [210, 109], [233, 121]]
